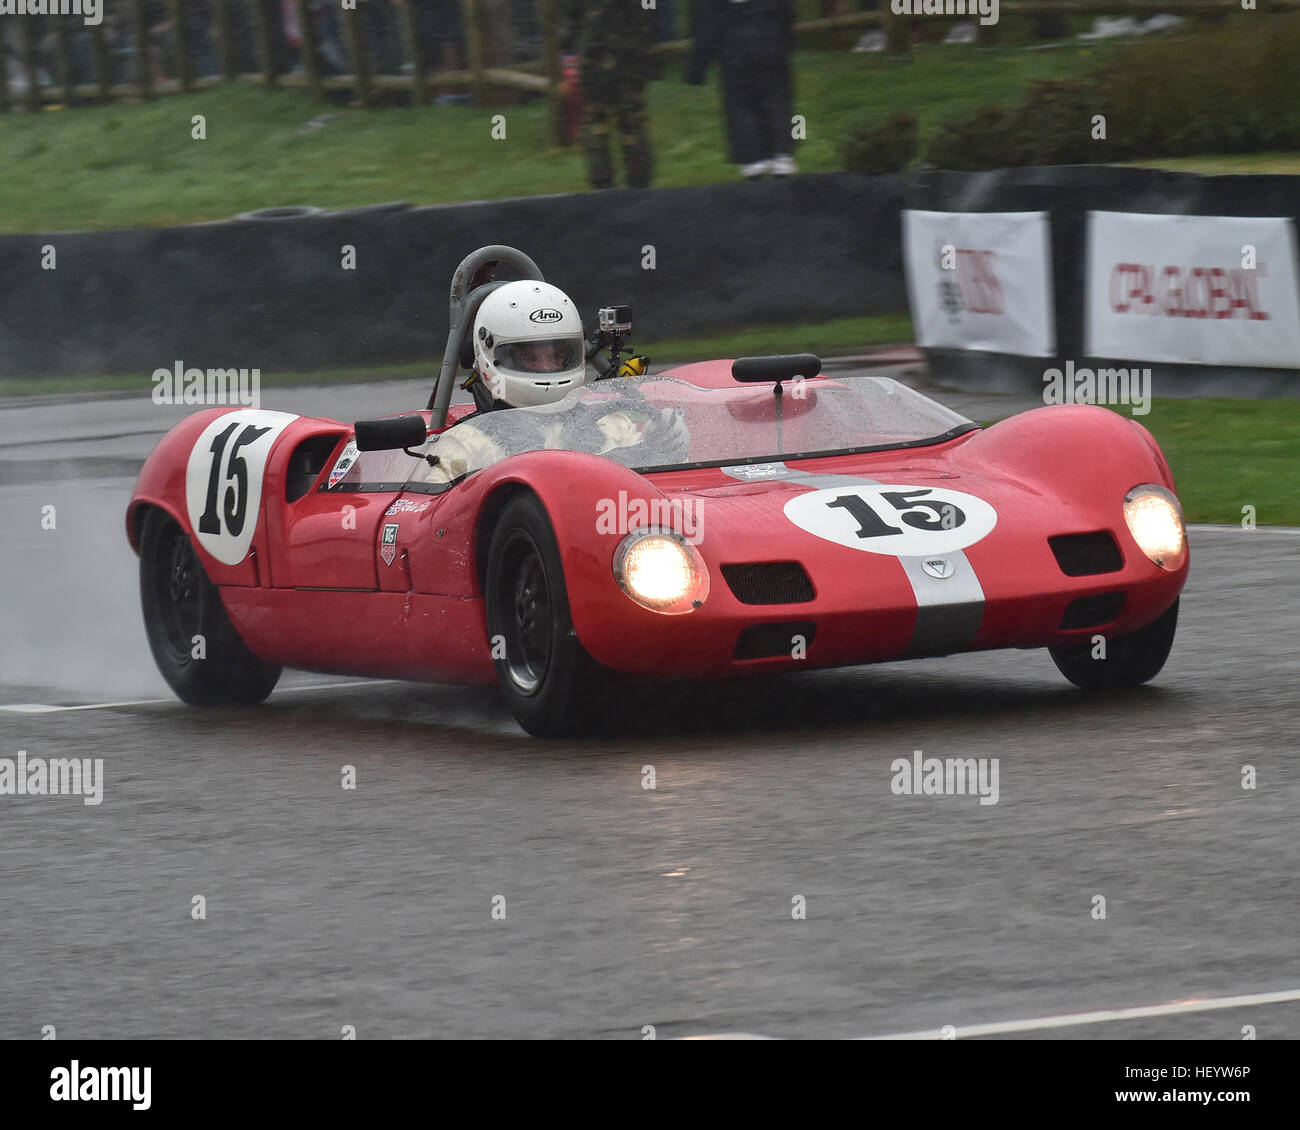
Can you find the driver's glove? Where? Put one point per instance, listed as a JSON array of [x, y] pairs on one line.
[[671, 436]]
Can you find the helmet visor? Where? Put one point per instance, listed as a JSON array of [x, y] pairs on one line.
[[548, 355]]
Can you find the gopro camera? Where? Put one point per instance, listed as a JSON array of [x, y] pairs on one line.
[[615, 319]]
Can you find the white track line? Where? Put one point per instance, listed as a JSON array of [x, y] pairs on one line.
[[1065, 1020], [41, 708], [1209, 528], [1069, 1019]]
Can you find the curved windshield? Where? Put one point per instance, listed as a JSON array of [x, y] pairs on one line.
[[659, 423]]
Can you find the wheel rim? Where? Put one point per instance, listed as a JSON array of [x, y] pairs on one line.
[[180, 593], [523, 613]]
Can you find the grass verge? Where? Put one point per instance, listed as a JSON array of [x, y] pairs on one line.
[[129, 165], [1228, 454]]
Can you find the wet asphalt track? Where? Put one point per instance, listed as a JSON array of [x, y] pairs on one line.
[[627, 907]]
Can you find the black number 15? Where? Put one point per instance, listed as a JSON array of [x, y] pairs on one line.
[[945, 515], [235, 501]]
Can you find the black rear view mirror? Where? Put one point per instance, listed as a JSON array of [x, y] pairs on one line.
[[391, 434], [782, 367]]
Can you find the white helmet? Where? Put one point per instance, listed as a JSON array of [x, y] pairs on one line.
[[528, 344]]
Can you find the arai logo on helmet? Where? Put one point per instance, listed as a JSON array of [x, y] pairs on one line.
[[546, 315]]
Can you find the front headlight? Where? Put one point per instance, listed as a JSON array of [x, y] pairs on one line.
[[1155, 519], [661, 571]]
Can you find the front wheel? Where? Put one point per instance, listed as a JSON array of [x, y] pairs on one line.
[[193, 642], [553, 687], [1129, 661]]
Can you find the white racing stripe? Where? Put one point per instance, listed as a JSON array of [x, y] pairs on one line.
[[41, 708], [949, 611]]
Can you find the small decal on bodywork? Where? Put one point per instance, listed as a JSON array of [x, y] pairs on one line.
[[343, 464], [388, 543]]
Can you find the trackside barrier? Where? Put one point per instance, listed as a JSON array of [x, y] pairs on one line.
[[1194, 274]]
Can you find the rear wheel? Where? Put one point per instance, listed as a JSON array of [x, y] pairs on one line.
[[553, 687], [1129, 660], [193, 642]]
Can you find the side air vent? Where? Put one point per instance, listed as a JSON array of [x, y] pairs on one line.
[[1093, 611], [767, 641], [306, 463], [1086, 555], [769, 582]]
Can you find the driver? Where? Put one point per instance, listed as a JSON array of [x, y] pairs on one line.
[[529, 352], [528, 347]]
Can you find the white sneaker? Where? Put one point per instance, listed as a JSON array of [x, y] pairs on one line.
[[782, 165], [754, 169]]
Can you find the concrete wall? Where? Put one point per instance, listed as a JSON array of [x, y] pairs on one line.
[[271, 293]]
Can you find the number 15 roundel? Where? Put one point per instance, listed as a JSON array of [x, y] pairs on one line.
[[898, 521], [223, 480]]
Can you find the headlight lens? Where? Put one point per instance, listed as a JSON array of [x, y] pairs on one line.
[[661, 571], [1155, 519]]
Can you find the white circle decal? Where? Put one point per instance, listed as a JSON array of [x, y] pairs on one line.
[[223, 479], [898, 521]]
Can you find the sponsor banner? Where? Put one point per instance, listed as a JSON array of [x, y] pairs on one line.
[[980, 280], [1206, 290]]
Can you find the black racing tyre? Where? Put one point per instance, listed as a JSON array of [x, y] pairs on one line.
[[552, 686], [179, 603], [1130, 660]]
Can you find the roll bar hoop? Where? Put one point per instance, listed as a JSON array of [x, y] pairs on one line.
[[472, 282]]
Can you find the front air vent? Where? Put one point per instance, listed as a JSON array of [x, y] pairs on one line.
[[1092, 611], [1086, 555], [769, 582]]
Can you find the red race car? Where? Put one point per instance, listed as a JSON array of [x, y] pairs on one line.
[[717, 519]]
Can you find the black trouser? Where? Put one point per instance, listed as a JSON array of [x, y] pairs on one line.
[[757, 95]]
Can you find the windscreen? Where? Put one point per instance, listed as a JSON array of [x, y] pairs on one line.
[[661, 422]]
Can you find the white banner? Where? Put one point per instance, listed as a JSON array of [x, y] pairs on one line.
[[980, 280], [1207, 290]]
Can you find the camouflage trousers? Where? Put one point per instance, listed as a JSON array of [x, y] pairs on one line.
[[624, 113]]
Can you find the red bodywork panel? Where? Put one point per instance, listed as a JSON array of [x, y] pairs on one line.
[[320, 589]]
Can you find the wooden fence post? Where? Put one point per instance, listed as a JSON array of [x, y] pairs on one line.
[[898, 31], [471, 18], [143, 70], [63, 48], [550, 16], [4, 78], [181, 41], [225, 48], [310, 63], [419, 79], [356, 38], [262, 33], [103, 72], [27, 29]]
